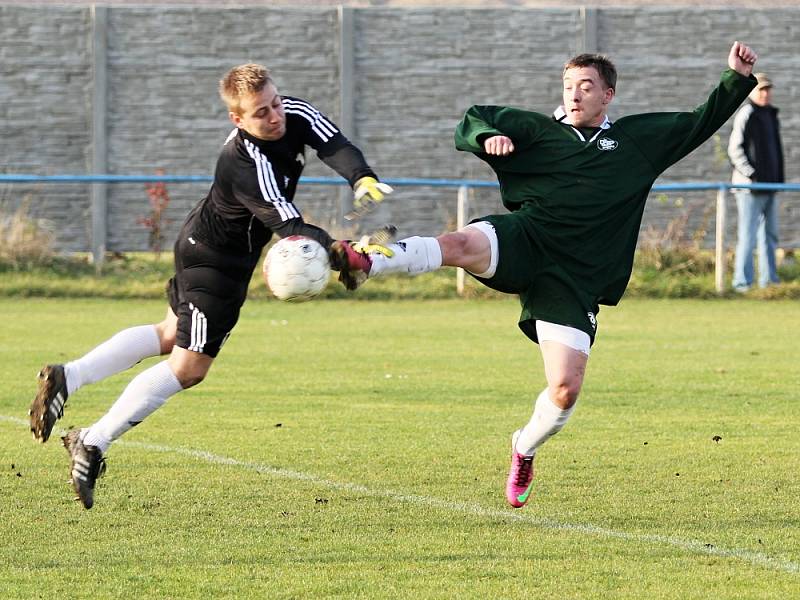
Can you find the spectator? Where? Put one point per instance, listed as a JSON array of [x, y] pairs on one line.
[[757, 157]]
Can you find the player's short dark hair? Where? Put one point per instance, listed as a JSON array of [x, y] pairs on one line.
[[605, 68], [242, 81]]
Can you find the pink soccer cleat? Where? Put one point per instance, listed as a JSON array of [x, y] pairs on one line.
[[352, 259], [520, 476], [353, 265]]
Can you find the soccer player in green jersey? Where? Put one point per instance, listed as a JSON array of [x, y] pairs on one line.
[[575, 185]]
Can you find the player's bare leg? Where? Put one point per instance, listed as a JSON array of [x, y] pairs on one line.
[[565, 368], [468, 248], [190, 368]]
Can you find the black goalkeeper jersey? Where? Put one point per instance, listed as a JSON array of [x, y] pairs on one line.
[[255, 182]]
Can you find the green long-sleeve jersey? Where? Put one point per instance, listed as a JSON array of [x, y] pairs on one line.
[[584, 199]]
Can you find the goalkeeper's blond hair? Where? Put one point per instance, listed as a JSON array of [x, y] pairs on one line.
[[243, 81]]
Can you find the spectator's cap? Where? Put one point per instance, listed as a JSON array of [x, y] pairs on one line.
[[763, 81]]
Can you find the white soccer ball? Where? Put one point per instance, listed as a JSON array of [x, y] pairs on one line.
[[297, 268]]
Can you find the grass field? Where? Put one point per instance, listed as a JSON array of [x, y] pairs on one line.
[[359, 450]]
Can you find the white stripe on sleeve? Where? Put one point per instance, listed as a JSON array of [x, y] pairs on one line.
[[268, 184], [319, 124]]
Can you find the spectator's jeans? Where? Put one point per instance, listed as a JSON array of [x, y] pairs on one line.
[[758, 223]]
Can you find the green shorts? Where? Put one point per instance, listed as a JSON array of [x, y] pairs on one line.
[[545, 290]]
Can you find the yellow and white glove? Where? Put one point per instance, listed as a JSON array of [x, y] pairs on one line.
[[369, 186], [377, 242], [365, 247], [369, 192]]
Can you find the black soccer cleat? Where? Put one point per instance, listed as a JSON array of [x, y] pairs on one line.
[[86, 465], [48, 406]]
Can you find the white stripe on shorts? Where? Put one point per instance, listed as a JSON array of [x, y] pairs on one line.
[[199, 331]]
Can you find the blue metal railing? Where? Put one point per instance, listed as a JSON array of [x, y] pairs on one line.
[[463, 185], [400, 181]]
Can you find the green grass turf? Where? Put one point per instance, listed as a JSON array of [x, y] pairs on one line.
[[359, 450]]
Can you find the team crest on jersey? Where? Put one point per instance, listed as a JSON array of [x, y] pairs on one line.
[[607, 144], [592, 320]]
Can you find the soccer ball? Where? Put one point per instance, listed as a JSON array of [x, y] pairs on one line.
[[296, 268]]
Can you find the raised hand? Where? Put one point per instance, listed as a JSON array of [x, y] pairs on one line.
[[742, 58]]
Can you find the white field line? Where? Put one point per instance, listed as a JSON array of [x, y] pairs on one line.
[[756, 558]]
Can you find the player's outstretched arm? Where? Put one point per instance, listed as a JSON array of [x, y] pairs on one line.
[[742, 58]]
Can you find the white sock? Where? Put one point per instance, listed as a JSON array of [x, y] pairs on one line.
[[147, 392], [412, 256], [121, 352], [547, 420]]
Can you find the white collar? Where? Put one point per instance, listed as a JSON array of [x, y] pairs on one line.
[[561, 116]]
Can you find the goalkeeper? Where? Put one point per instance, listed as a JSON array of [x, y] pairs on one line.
[[217, 250], [575, 185]]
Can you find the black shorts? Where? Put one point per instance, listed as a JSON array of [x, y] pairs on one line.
[[207, 293]]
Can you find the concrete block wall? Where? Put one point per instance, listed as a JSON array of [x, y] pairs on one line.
[[164, 67], [669, 59], [45, 76], [415, 70]]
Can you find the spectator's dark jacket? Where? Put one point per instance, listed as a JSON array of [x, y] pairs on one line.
[[754, 148]]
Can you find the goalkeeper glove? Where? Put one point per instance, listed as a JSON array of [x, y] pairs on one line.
[[364, 246], [377, 242], [368, 193]]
